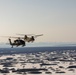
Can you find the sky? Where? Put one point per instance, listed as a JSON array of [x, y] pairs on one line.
[[55, 19]]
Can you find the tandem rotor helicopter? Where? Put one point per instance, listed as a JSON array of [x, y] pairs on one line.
[[21, 41]]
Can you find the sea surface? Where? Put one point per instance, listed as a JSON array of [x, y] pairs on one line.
[[38, 61], [17, 50]]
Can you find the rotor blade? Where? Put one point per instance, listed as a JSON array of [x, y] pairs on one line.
[[18, 37], [25, 34], [5, 36], [10, 37], [38, 35], [30, 35], [14, 37]]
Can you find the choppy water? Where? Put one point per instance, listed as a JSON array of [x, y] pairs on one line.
[[55, 60]]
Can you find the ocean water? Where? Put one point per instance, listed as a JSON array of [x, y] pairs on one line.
[[55, 60], [34, 49]]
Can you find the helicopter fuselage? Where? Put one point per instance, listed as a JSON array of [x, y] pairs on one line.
[[29, 39], [17, 42]]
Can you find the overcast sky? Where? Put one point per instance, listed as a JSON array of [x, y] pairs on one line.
[[56, 19]]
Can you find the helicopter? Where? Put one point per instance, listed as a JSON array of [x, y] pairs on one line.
[[29, 37], [17, 42]]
